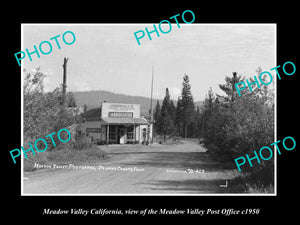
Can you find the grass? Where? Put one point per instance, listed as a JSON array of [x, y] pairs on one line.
[[253, 188], [254, 182], [63, 156], [169, 140]]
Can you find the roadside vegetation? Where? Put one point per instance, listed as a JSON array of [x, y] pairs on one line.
[[48, 112], [227, 125], [233, 126]]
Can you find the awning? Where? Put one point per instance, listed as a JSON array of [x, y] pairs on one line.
[[123, 121]]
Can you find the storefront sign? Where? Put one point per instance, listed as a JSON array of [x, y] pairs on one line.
[[120, 110], [120, 114], [121, 107]]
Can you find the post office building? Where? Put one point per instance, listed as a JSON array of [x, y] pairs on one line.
[[116, 123]]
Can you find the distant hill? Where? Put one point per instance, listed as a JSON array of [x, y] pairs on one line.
[[93, 99]]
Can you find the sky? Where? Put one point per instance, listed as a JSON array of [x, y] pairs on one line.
[[108, 57]]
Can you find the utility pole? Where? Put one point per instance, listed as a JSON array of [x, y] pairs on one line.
[[64, 85], [151, 108], [234, 79]]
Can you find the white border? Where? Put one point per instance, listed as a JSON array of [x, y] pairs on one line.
[[117, 194]]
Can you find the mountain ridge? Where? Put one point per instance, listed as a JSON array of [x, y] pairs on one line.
[[92, 99]]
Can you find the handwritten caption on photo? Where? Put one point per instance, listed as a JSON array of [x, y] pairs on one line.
[[71, 166], [87, 167]]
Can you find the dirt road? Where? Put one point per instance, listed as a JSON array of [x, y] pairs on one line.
[[184, 168]]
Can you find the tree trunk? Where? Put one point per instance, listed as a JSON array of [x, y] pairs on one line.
[[64, 85]]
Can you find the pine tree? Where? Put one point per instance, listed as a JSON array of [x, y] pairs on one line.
[[208, 102], [167, 123], [198, 122], [206, 114], [179, 117], [187, 110], [172, 110], [229, 87], [157, 118]]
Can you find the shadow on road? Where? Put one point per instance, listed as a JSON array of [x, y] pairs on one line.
[[216, 173], [194, 186], [176, 160]]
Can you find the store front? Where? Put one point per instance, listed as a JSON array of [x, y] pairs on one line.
[[121, 134], [117, 123], [119, 131]]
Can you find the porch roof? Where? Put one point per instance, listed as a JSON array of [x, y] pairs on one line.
[[123, 121]]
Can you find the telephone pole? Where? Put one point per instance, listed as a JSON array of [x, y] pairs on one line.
[[234, 80], [151, 108], [64, 85]]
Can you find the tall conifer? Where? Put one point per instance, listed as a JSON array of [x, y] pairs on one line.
[[167, 122], [186, 112]]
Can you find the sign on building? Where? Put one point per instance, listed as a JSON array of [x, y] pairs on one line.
[[120, 110], [120, 114]]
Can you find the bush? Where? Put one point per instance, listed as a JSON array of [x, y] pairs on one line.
[[167, 140], [79, 142], [44, 112], [40, 157], [238, 125], [254, 188], [65, 156], [233, 126], [259, 180]]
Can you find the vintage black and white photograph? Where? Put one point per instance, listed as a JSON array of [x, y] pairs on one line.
[[131, 109]]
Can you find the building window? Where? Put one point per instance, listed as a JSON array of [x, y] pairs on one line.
[[130, 132]]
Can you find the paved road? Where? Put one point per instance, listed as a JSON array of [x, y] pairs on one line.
[[184, 168]]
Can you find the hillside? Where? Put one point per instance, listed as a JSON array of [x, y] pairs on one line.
[[93, 99]]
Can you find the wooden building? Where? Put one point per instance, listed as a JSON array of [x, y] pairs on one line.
[[116, 123]]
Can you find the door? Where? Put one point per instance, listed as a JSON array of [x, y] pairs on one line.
[[121, 136]]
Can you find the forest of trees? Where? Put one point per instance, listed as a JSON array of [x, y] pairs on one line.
[[228, 125], [181, 120]]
